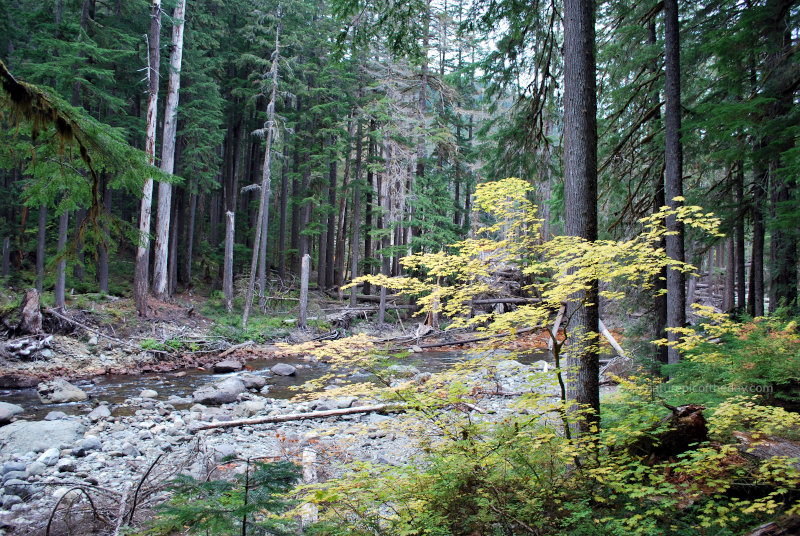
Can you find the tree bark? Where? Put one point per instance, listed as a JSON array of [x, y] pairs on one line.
[[61, 269], [741, 289], [140, 279], [190, 231], [6, 256], [580, 199], [673, 182], [227, 278], [305, 268], [284, 207], [102, 247], [356, 209], [330, 257], [161, 265], [40, 244]]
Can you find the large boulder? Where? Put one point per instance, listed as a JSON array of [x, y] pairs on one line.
[[59, 391], [229, 365], [251, 381], [283, 369], [23, 436], [7, 411], [221, 392]]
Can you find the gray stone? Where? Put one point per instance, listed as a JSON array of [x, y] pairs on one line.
[[345, 402], [100, 412], [422, 377], [173, 399], [20, 488], [403, 371], [251, 381], [250, 407], [264, 390], [7, 411], [59, 391], [228, 365], [35, 469], [92, 340], [46, 353], [148, 393], [66, 465], [56, 415], [50, 456], [10, 500], [11, 475], [11, 466], [223, 451], [283, 369], [222, 392], [130, 450], [87, 445], [20, 437]]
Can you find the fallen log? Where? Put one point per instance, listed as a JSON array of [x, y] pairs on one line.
[[235, 347], [764, 448], [296, 417]]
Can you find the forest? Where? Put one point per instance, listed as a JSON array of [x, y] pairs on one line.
[[593, 205]]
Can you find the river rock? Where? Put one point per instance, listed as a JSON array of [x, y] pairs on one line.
[[221, 392], [92, 340], [50, 456], [228, 365], [251, 381], [20, 437], [403, 371], [283, 369], [148, 393], [55, 416], [223, 451], [20, 488], [130, 450], [66, 465], [248, 408], [100, 412], [35, 469], [58, 391], [8, 411], [11, 466], [86, 445]]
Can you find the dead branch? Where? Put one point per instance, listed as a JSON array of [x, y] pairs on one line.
[[235, 347], [297, 417]]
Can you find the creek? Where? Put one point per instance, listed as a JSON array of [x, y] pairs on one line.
[[116, 388]]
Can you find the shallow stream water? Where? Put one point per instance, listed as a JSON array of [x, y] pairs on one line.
[[115, 388]]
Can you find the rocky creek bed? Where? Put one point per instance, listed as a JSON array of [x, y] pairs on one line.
[[107, 445]]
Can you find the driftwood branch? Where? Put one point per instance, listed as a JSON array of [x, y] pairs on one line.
[[297, 417], [235, 347], [611, 340]]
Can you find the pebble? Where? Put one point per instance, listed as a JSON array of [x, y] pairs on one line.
[[35, 469], [50, 456], [148, 393], [66, 465]]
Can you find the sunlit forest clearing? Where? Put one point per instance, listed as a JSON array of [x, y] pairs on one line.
[[434, 267]]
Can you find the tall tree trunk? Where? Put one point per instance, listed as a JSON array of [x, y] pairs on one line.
[[190, 232], [102, 247], [140, 285], [294, 241], [161, 265], [673, 181], [61, 269], [354, 244], [386, 203], [331, 231], [173, 247], [755, 306], [580, 198], [40, 243], [741, 289], [729, 299], [368, 221], [78, 270], [263, 206], [227, 272], [284, 206]]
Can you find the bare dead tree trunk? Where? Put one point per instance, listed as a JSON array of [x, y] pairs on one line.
[[305, 268], [227, 278], [161, 265], [140, 279], [284, 206], [6, 256], [263, 206]]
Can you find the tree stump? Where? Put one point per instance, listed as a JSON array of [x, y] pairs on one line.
[[30, 314]]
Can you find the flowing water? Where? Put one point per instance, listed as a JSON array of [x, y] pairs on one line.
[[115, 388]]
